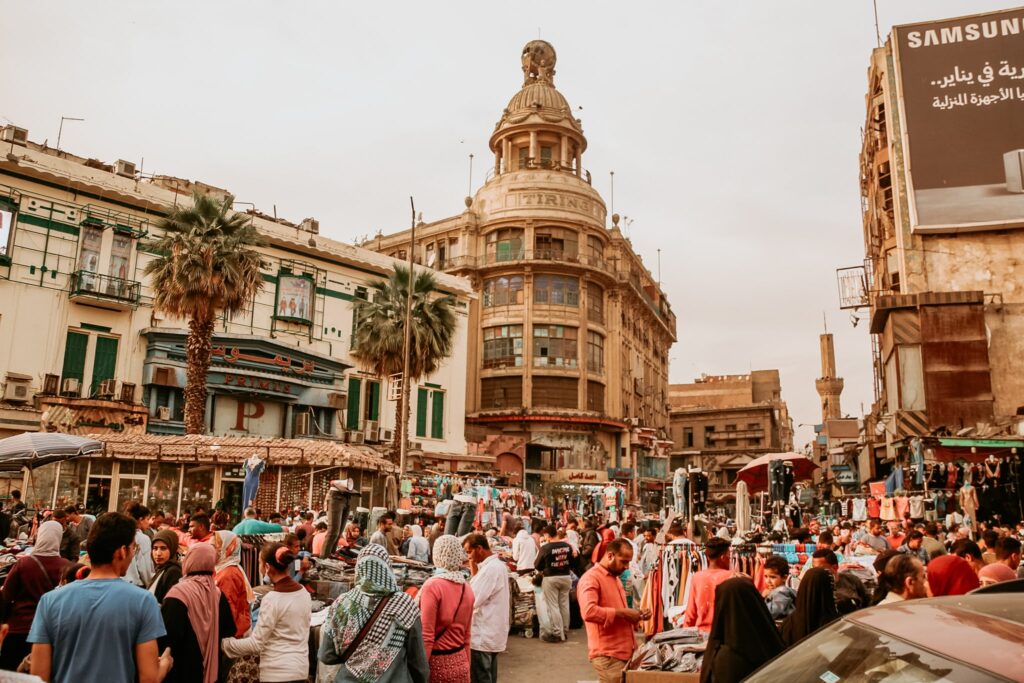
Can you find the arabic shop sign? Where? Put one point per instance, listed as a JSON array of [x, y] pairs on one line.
[[584, 476], [257, 383], [620, 472], [263, 361]]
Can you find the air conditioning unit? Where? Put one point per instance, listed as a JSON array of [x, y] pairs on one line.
[[336, 400], [389, 434], [163, 413], [127, 392], [302, 424], [310, 225], [18, 388], [372, 435], [107, 388], [356, 437], [18, 136], [370, 427], [124, 168], [416, 445], [51, 383], [71, 386], [164, 377]]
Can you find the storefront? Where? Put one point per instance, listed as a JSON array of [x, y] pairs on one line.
[[176, 474]]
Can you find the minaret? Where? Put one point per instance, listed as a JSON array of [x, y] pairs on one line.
[[829, 386]]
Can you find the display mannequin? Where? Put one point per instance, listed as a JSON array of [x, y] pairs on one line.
[[337, 503], [969, 504], [777, 480], [254, 466], [679, 490]]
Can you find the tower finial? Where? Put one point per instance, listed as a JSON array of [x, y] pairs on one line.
[[538, 62]]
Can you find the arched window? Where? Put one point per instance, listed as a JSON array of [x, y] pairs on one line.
[[503, 291]]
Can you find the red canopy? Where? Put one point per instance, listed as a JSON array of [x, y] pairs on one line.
[[755, 473]]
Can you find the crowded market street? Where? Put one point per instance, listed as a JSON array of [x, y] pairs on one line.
[[334, 348]]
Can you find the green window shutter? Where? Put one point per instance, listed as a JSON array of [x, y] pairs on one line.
[[421, 411], [373, 400], [104, 362], [352, 414], [74, 356], [437, 415]]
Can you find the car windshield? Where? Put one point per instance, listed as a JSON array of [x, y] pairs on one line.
[[853, 654]]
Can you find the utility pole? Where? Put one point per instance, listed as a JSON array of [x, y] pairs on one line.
[[407, 348], [60, 131]]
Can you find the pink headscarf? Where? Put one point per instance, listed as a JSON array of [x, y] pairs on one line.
[[201, 598]]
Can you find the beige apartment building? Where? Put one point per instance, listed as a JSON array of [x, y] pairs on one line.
[[82, 350], [719, 423], [567, 379]]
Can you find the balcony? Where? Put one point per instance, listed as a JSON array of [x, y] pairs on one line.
[[104, 291], [519, 255]]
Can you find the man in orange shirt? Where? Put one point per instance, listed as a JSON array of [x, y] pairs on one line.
[[610, 623], [700, 609]]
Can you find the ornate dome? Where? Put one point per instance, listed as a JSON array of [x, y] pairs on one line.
[[538, 95]]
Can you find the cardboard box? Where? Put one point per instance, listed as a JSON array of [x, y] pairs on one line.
[[661, 677]]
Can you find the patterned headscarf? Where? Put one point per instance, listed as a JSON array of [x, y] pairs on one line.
[[374, 581], [449, 558], [229, 554]]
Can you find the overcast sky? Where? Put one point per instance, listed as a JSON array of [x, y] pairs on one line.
[[732, 127]]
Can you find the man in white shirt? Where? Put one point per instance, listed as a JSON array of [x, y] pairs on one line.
[[524, 551], [904, 577], [489, 633]]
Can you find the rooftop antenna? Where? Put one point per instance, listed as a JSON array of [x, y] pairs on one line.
[[824, 320], [470, 191], [878, 34], [612, 174], [659, 266], [60, 130]]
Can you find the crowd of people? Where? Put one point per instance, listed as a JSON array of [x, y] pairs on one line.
[[156, 599]]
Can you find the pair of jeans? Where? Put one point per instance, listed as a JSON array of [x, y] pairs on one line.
[[459, 521], [555, 590], [483, 667], [338, 504]]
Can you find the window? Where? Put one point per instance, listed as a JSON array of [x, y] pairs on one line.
[[104, 362], [709, 436], [595, 249], [352, 409], [499, 393], [431, 255], [556, 244], [504, 245], [164, 484], [171, 398], [197, 487], [430, 410], [595, 303], [911, 378], [730, 428], [503, 346], [524, 155], [688, 437], [753, 425], [545, 157], [503, 291], [730, 442], [595, 396], [554, 346], [595, 352], [361, 295], [74, 357], [756, 441], [7, 208], [556, 392], [556, 290], [371, 406]]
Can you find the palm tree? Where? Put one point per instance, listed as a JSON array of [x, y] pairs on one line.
[[207, 266], [379, 340]]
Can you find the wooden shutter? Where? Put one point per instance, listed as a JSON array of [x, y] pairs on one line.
[[352, 413], [437, 415], [373, 400], [422, 396], [104, 361], [74, 355]]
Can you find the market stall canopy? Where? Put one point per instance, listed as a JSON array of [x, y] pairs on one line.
[[34, 449], [755, 472]]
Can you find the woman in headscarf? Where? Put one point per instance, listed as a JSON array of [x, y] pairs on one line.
[[743, 634], [446, 601], [951, 575], [231, 579], [419, 547], [391, 648], [197, 617], [165, 560], [815, 606], [281, 635], [30, 577]]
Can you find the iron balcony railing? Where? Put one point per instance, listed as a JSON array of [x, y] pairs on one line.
[[86, 283]]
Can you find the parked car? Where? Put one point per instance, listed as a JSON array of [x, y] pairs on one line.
[[956, 639]]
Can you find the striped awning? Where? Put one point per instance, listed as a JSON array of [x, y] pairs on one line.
[[41, 448]]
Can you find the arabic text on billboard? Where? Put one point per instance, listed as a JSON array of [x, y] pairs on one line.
[[962, 84]]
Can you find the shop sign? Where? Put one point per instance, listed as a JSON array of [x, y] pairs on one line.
[[294, 301], [240, 417], [257, 383], [584, 476], [846, 478], [653, 485], [620, 472]]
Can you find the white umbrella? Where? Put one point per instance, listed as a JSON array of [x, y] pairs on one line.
[[34, 449]]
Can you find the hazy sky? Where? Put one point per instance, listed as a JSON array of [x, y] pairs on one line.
[[732, 127]]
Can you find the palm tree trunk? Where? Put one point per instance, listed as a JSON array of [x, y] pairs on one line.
[[396, 442], [198, 348]]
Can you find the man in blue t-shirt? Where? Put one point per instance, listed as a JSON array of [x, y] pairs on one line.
[[101, 627]]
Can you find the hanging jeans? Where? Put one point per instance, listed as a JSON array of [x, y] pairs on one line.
[[468, 517], [451, 522], [338, 505], [250, 486], [362, 517]]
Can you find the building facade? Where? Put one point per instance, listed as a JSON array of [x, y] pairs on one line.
[[570, 334], [82, 350], [940, 285], [719, 423]]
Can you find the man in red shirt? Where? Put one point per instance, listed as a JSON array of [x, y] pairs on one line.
[[700, 609], [610, 623]]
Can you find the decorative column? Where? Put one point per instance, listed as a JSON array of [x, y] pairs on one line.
[[564, 152], [534, 154]]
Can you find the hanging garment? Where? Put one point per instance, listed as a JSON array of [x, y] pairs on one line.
[[917, 507], [860, 510], [902, 504], [874, 508], [888, 512], [742, 507], [252, 480]]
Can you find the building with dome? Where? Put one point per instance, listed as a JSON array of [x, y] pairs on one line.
[[567, 378]]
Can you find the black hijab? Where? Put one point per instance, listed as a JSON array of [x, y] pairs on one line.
[[815, 606], [743, 634]]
